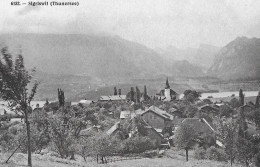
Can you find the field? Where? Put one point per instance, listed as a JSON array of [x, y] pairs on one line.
[[170, 159]]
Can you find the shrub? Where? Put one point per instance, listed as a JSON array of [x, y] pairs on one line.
[[139, 144], [200, 153], [216, 154]]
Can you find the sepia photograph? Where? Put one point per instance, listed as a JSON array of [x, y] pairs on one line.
[[130, 83]]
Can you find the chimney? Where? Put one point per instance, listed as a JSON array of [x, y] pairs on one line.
[[119, 92]]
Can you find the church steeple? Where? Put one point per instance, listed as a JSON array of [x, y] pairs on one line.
[[167, 86]]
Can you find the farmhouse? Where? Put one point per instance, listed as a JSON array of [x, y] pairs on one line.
[[157, 118]]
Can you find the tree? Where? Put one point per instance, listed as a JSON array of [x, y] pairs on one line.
[[241, 97], [225, 110], [257, 100], [185, 136], [190, 111], [14, 88], [234, 103], [61, 98], [242, 124], [257, 118], [226, 132], [191, 95], [132, 94], [115, 91], [138, 94], [145, 93]]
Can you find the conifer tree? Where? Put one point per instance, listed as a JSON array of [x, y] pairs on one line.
[[132, 94], [138, 94], [257, 100], [145, 93], [61, 98], [241, 97], [115, 91]]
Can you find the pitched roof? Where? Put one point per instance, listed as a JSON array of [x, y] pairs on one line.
[[159, 112], [208, 106], [113, 98], [113, 128], [129, 114], [198, 124]]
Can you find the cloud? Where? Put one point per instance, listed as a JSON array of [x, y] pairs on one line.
[[28, 9], [183, 23]]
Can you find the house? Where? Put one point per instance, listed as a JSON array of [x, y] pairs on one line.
[[114, 128], [167, 94], [130, 114], [209, 109], [113, 98], [152, 133], [157, 118], [85, 103], [202, 127]]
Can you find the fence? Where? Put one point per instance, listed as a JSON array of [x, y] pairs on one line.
[[116, 157]]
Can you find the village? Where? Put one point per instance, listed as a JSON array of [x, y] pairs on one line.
[[135, 123]]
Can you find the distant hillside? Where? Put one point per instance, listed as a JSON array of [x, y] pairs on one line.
[[184, 68], [201, 57], [240, 59], [89, 55], [205, 55]]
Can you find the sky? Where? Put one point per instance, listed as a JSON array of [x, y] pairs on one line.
[[154, 23]]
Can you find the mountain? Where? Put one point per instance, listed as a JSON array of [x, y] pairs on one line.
[[202, 56], [90, 55], [97, 56], [205, 55], [240, 59], [184, 68]]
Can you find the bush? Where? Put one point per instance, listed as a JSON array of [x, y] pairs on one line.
[[138, 144], [216, 154], [200, 153]]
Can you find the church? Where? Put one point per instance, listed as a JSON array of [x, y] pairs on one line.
[[167, 94]]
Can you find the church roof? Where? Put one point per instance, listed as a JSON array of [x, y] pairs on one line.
[[167, 86]]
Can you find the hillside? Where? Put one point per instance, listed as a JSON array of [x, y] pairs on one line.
[[202, 56], [240, 59], [89, 55]]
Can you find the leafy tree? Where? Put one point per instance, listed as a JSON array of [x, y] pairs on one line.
[[234, 103], [257, 118], [225, 110], [226, 132], [190, 111], [14, 88], [191, 95], [185, 136]]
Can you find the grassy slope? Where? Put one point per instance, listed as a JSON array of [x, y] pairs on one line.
[[171, 159]]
